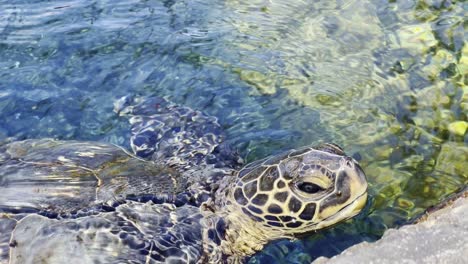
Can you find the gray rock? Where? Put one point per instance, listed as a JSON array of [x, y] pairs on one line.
[[441, 238]]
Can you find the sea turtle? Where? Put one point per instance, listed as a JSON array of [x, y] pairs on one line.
[[180, 197]]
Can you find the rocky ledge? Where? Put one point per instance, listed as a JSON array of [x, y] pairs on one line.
[[441, 236]]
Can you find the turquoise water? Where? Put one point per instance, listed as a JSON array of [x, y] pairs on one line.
[[386, 80]]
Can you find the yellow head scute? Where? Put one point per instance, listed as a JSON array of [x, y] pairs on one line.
[[301, 190]]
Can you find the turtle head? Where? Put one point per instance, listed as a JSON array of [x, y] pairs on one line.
[[301, 190]]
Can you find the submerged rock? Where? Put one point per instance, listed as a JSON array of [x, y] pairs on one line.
[[458, 127]]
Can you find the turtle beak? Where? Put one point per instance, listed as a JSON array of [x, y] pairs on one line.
[[358, 204], [345, 213]]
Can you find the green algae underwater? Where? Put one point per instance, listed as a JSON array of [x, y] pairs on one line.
[[386, 80]]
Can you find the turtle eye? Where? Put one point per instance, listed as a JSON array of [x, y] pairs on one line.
[[309, 187]]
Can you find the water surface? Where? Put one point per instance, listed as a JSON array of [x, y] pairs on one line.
[[386, 80]]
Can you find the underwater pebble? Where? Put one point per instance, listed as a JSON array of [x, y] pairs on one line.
[[458, 127], [417, 39], [463, 63], [405, 203], [452, 160]]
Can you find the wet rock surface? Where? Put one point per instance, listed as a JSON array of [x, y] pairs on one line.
[[440, 237]]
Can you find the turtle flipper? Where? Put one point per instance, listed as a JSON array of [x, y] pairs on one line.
[[134, 233], [179, 136], [62, 176]]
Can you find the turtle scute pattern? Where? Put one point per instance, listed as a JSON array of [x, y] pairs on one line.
[[291, 191]]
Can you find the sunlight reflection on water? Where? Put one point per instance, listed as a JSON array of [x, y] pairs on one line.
[[385, 80]]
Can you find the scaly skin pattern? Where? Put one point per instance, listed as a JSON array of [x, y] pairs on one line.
[[291, 193]]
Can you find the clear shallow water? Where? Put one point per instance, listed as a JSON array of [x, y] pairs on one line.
[[386, 80]]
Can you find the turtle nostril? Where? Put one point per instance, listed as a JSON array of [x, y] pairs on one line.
[[349, 162]]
